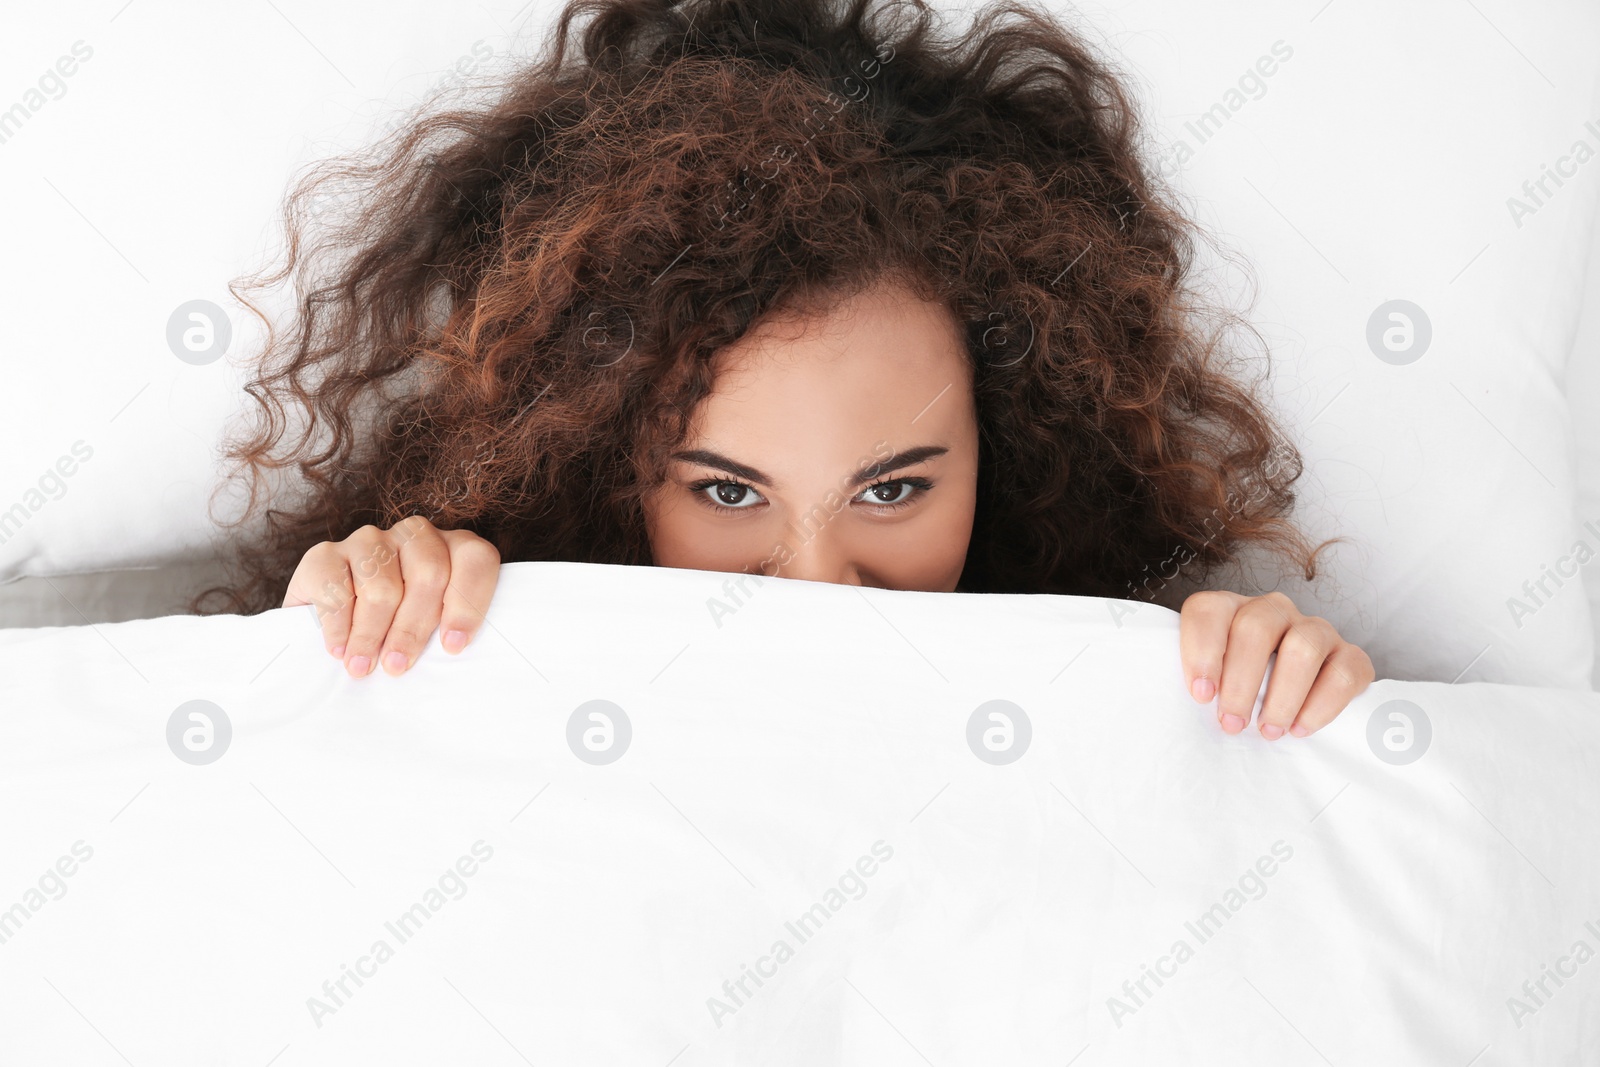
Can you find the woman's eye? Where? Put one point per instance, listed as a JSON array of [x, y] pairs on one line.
[[888, 493], [734, 496], [895, 494]]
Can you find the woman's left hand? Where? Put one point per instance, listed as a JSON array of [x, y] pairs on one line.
[[1225, 639]]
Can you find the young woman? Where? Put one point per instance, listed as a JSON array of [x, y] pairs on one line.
[[803, 288]]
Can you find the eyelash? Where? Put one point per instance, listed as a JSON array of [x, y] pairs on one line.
[[921, 484]]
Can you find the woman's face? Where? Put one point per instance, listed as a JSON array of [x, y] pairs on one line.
[[806, 416]]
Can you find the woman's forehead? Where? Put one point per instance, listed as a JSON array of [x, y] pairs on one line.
[[883, 334]]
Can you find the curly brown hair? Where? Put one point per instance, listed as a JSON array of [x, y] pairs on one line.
[[508, 329]]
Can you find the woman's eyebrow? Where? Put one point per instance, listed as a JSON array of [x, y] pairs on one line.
[[868, 472]]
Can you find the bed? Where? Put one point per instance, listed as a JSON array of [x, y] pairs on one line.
[[616, 831]]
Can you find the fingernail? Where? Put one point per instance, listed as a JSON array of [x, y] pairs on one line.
[[1298, 730], [1203, 689], [337, 652], [454, 640], [1271, 731], [396, 661], [1232, 723], [359, 666]]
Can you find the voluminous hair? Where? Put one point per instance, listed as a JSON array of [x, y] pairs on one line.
[[508, 312]]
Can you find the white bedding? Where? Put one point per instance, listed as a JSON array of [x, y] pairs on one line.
[[810, 749]]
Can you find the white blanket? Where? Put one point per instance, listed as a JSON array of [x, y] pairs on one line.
[[798, 857]]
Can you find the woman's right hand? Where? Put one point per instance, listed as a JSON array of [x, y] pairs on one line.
[[380, 594]]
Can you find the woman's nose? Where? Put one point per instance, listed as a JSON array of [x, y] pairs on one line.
[[821, 559]]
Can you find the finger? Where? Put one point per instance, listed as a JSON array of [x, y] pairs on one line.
[[1257, 627], [1346, 673], [1203, 625], [424, 572], [1305, 646], [322, 580], [474, 574], [375, 566]]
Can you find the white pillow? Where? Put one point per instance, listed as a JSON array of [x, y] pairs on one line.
[[1452, 475], [110, 461], [1365, 170]]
